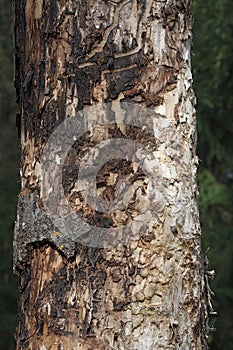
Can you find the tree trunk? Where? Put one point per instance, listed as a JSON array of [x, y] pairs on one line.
[[107, 238]]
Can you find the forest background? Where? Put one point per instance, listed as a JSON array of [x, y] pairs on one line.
[[212, 62]]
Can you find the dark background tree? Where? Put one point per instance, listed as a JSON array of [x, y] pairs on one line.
[[8, 180], [213, 83]]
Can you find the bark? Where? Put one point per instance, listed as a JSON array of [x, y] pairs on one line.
[[148, 291]]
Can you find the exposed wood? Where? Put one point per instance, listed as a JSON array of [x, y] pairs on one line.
[[150, 292]]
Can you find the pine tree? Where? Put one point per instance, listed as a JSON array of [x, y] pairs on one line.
[[107, 239]]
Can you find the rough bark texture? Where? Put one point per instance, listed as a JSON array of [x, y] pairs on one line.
[[150, 293]]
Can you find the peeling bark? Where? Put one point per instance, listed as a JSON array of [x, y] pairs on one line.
[[149, 293]]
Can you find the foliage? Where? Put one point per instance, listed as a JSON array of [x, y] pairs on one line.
[[213, 83]]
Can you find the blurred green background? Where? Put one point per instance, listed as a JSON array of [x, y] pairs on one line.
[[213, 83]]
